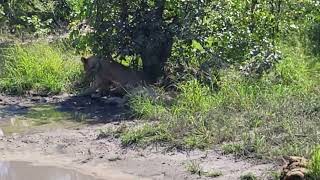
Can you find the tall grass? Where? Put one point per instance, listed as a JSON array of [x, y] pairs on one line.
[[277, 114], [315, 164], [39, 67]]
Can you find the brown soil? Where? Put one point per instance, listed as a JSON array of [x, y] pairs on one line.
[[80, 149]]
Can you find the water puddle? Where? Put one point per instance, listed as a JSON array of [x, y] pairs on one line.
[[14, 120], [26, 171]]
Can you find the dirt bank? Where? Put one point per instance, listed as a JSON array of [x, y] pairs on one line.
[[79, 148]]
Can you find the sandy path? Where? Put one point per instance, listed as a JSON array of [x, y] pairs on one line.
[[105, 158]]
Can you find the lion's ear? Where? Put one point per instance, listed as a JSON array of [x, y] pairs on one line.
[[83, 59]]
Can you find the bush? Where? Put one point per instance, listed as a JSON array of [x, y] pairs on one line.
[[38, 67]]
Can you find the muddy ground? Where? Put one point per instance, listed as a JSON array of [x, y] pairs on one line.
[[78, 147]]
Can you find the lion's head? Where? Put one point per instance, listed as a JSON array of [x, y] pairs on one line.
[[90, 64]]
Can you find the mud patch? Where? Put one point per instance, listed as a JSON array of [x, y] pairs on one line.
[[97, 110], [23, 170], [80, 148], [36, 117], [92, 110], [25, 114]]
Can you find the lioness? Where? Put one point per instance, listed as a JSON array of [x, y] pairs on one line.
[[105, 72]]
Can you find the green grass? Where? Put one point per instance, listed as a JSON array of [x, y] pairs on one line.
[[39, 67], [248, 176], [112, 131], [213, 174], [278, 114], [194, 167], [315, 164], [145, 134]]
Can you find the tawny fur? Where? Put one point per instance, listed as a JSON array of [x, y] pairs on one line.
[[105, 72]]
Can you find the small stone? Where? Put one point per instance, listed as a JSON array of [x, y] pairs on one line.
[[43, 100], [115, 158], [116, 101], [1, 133], [35, 99], [86, 160]]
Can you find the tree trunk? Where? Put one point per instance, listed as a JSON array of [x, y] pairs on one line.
[[157, 48], [154, 57]]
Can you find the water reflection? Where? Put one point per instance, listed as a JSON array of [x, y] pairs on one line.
[[25, 171], [36, 118]]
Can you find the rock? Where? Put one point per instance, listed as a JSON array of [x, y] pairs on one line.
[[169, 100], [62, 96], [1, 133], [295, 168], [96, 96], [86, 160], [16, 107], [44, 100], [114, 158], [35, 99], [116, 101], [13, 121]]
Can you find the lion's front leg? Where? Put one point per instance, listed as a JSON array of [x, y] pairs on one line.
[[103, 88], [89, 91]]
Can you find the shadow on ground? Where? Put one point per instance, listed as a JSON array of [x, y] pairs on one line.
[[96, 110], [86, 109]]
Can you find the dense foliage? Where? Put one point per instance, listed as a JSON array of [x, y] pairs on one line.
[[38, 17], [213, 33], [205, 35]]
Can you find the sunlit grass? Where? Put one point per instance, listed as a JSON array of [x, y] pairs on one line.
[[275, 115], [38, 67], [315, 164]]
